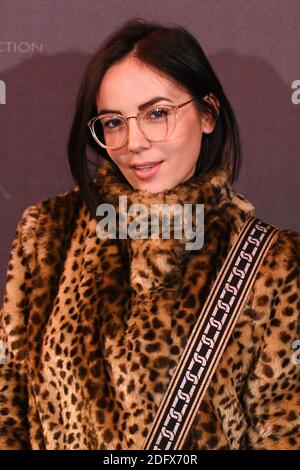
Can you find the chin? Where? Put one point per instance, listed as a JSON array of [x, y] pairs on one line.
[[148, 187]]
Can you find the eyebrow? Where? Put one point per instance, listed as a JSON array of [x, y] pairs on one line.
[[141, 107]]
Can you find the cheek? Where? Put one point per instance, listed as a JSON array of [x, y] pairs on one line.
[[188, 138], [117, 157], [190, 129]]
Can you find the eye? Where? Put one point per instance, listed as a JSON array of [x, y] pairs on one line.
[[157, 113], [112, 123]]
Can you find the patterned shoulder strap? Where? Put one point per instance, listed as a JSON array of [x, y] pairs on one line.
[[209, 337]]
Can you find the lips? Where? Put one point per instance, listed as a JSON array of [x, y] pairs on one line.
[[146, 169], [143, 164]]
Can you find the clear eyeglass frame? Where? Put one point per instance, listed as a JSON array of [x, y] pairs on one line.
[[173, 108]]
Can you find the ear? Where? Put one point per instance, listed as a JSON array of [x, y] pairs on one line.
[[208, 123]]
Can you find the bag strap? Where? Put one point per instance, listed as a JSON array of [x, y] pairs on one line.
[[209, 337]]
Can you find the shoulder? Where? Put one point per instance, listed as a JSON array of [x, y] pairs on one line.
[[276, 291], [52, 207], [288, 240], [48, 218], [281, 264], [284, 253]]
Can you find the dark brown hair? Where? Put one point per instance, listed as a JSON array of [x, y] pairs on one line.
[[174, 52]]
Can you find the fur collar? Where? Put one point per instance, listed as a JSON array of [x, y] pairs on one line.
[[208, 189], [212, 189], [224, 212]]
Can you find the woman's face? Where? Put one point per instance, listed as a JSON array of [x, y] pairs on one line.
[[129, 84]]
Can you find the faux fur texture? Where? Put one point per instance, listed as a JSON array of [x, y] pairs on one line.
[[94, 328]]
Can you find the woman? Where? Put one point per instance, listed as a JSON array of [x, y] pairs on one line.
[[94, 327]]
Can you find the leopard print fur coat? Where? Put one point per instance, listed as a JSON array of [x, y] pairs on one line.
[[93, 328]]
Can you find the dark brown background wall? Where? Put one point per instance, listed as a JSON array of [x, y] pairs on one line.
[[253, 45]]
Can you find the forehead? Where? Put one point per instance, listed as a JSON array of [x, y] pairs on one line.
[[130, 82]]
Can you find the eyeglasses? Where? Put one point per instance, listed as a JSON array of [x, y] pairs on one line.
[[157, 123]]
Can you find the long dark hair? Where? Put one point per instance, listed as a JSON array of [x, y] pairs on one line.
[[174, 52]]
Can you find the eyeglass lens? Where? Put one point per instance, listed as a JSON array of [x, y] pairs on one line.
[[156, 123]]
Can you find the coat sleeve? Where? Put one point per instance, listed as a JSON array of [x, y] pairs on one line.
[[14, 430], [272, 395]]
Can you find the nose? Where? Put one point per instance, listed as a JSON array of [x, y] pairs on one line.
[[136, 139]]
